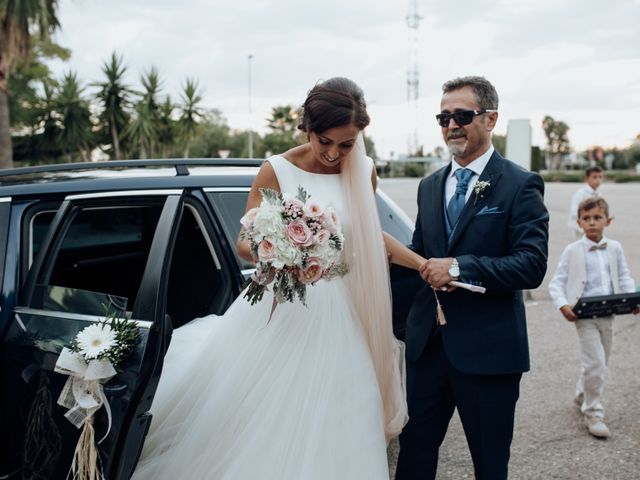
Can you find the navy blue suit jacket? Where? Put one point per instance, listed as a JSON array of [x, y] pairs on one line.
[[501, 244]]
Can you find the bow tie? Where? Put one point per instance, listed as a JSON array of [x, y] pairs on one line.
[[602, 246]]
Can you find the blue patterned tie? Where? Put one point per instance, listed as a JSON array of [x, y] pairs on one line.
[[456, 204]]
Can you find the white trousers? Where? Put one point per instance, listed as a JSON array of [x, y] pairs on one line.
[[596, 336]]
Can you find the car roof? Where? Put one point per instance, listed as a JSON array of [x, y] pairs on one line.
[[127, 174]]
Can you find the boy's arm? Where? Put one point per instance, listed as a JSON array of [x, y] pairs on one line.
[[558, 284], [626, 283]]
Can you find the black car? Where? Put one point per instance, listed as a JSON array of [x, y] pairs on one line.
[[153, 239]]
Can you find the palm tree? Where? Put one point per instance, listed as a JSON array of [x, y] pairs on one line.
[[114, 98], [75, 117], [166, 127], [284, 119], [188, 122], [48, 121], [143, 130], [19, 19], [284, 133]]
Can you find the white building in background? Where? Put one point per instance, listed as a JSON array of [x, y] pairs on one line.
[[518, 147]]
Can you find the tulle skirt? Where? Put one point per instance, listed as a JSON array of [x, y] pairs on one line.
[[296, 397]]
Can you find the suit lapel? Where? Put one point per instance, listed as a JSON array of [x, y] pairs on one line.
[[437, 211], [491, 173]]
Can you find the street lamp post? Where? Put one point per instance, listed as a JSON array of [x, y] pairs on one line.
[[249, 57]]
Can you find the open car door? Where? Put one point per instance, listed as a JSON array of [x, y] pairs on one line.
[[103, 251]]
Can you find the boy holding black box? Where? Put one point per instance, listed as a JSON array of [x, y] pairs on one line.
[[589, 267]]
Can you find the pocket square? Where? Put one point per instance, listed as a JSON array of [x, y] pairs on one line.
[[489, 211]]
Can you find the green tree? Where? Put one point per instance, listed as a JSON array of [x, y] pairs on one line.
[[557, 140], [212, 136], [283, 126], [143, 129], [370, 147], [75, 135], [41, 144], [191, 113], [499, 143], [114, 97], [284, 119], [25, 84], [167, 127], [19, 21], [632, 154]]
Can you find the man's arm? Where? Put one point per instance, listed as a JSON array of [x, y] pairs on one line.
[[525, 264], [416, 241]]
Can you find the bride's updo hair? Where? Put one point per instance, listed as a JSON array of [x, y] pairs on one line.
[[334, 103]]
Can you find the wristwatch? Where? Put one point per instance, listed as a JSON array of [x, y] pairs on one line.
[[454, 270]]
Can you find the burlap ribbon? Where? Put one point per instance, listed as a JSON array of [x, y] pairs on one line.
[[83, 396]]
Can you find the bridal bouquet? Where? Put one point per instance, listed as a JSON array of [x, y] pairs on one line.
[[295, 242]]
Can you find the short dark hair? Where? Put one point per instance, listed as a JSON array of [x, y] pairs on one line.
[[593, 202], [594, 169], [486, 94], [334, 103]]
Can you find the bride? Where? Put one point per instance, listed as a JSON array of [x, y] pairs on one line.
[[317, 391]]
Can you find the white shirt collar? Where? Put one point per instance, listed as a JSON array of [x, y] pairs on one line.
[[590, 243], [477, 166]]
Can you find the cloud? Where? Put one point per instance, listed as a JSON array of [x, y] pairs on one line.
[[577, 60]]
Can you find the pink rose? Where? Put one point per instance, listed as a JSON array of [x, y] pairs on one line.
[[312, 273], [266, 250], [322, 236], [299, 233]]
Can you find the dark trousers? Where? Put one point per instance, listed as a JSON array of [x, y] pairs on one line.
[[485, 403]]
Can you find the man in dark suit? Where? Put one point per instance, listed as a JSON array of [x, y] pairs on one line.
[[481, 220]]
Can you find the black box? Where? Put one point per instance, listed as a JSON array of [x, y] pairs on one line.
[[606, 305]]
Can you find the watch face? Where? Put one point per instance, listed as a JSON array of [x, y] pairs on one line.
[[454, 271]]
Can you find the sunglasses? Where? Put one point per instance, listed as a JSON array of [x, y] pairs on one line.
[[462, 117]]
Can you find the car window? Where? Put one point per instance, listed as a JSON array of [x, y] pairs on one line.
[[38, 228], [199, 284], [105, 250], [230, 206]]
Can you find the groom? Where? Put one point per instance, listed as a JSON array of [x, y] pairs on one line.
[[481, 220]]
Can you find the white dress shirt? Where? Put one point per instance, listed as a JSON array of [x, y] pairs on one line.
[[598, 279], [477, 166]]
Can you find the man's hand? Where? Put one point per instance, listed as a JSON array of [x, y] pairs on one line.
[[568, 313], [435, 272]]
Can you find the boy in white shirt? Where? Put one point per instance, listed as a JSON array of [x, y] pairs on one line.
[[591, 266], [593, 177]]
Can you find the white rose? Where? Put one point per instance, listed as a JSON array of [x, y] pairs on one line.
[[312, 209], [331, 220]]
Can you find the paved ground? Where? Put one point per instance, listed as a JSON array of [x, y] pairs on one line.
[[550, 441]]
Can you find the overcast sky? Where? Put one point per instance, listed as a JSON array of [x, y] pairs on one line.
[[576, 60]]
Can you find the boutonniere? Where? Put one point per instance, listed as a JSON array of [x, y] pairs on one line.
[[479, 189]]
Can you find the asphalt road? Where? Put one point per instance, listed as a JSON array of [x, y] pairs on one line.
[[550, 440]]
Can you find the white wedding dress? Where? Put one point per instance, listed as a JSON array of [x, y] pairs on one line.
[[293, 398]]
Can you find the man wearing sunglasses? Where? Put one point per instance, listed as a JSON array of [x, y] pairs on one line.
[[481, 220]]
